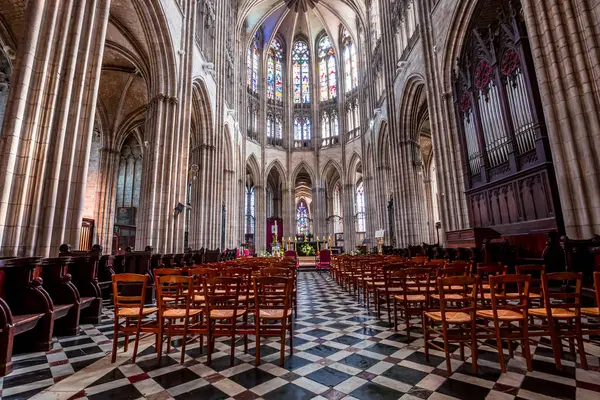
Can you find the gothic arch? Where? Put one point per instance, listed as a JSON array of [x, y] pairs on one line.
[[412, 100], [276, 164], [252, 165], [355, 161], [202, 131], [309, 170], [133, 122], [332, 164], [163, 65], [383, 146]]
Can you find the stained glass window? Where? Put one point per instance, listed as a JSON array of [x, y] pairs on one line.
[[335, 126], [252, 61], [302, 220], [269, 126], [250, 198], [302, 128], [374, 17], [350, 61], [326, 129], [338, 226], [278, 128], [275, 71], [360, 207], [327, 72], [301, 72]]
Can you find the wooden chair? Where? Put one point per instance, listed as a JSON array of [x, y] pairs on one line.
[[222, 295], [485, 272], [509, 314], [273, 298], [561, 315], [414, 299], [130, 308], [324, 262], [166, 271], [246, 297], [393, 284], [455, 321], [535, 286], [174, 295], [593, 313]]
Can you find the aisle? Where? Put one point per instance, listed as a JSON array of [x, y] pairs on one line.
[[340, 351]]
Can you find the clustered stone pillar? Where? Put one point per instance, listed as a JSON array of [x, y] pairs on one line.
[[106, 196], [349, 222], [49, 124]]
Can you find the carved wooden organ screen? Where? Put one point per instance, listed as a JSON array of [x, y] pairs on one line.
[[498, 108]]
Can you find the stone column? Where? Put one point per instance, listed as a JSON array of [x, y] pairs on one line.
[[50, 117], [349, 222], [160, 177], [260, 231], [289, 228], [107, 189]]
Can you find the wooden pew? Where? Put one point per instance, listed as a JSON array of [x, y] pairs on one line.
[[583, 256], [26, 310], [140, 262], [84, 273], [64, 295]]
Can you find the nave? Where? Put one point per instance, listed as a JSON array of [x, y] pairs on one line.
[[341, 351]]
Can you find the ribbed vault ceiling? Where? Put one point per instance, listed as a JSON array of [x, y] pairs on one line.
[[280, 16]]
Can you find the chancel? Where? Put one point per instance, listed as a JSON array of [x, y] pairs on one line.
[[304, 199]]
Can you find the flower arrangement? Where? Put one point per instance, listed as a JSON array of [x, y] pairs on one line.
[[307, 250]]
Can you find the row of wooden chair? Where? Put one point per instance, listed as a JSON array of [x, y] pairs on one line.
[[207, 303], [465, 305]]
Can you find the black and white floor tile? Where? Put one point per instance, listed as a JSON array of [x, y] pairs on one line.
[[341, 351]]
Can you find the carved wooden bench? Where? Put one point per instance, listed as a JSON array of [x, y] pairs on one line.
[[26, 310]]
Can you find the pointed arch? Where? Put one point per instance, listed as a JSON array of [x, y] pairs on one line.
[[412, 99], [202, 131], [330, 167], [307, 168], [383, 146], [276, 164], [355, 161], [253, 166], [162, 60]]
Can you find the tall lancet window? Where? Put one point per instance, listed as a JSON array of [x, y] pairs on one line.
[[359, 205], [350, 61], [301, 71], [250, 210], [327, 71], [338, 226], [302, 130], [302, 219], [374, 20], [275, 72], [252, 61]]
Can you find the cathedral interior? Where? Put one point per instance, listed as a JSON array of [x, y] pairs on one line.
[[164, 130]]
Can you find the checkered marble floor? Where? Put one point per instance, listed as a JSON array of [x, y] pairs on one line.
[[340, 352]]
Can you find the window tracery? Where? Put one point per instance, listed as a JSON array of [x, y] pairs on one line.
[[252, 63], [301, 72], [275, 72], [302, 219], [350, 61], [327, 69]]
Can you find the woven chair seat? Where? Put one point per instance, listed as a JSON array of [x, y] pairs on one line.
[[503, 315], [560, 313], [180, 313], [134, 312], [452, 317]]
